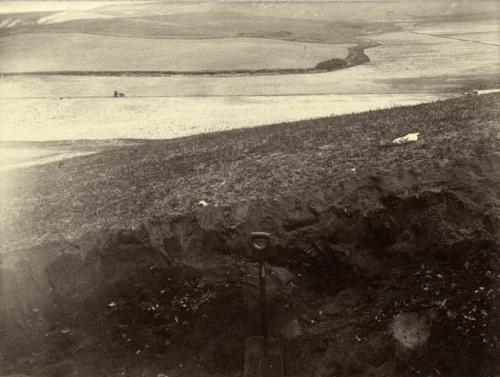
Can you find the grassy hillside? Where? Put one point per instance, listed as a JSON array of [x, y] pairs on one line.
[[120, 186], [384, 261]]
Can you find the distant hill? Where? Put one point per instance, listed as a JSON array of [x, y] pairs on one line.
[[337, 22]]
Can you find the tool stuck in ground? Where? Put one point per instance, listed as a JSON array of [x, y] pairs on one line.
[[263, 354]]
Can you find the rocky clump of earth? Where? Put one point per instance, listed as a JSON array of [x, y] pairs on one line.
[[386, 276]]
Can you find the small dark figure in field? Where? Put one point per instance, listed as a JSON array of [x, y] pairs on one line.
[[118, 94]]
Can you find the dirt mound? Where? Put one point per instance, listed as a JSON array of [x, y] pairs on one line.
[[383, 276]]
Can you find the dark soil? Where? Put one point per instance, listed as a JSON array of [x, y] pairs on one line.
[[413, 230]]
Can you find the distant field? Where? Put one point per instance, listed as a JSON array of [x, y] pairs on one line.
[[410, 64], [492, 37], [456, 27], [197, 25], [424, 57], [484, 31], [404, 62], [332, 10], [333, 22], [163, 118], [81, 52]]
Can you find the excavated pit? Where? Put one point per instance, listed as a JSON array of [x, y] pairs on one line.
[[384, 276]]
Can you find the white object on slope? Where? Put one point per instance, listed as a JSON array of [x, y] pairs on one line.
[[407, 138], [202, 203], [487, 91]]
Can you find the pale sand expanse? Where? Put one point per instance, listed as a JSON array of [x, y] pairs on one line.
[[16, 158], [83, 52], [19, 155], [436, 65], [158, 118]]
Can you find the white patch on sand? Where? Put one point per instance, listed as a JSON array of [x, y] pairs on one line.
[[69, 16], [52, 6], [9, 22], [488, 91]]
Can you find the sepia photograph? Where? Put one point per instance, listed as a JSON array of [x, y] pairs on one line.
[[250, 188]]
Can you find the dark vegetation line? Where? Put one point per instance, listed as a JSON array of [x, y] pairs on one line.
[[355, 57], [456, 38]]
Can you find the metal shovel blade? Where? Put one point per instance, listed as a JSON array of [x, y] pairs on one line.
[[264, 358]]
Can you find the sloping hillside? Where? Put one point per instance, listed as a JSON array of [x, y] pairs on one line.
[[384, 260], [120, 186]]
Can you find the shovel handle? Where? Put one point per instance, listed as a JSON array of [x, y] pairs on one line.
[[260, 240]]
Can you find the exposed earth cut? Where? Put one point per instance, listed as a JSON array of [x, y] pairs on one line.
[[393, 274]]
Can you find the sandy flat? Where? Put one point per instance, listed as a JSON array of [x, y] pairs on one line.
[[158, 118]]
